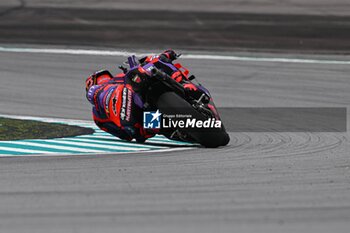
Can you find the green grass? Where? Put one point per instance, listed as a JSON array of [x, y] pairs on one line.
[[11, 129]]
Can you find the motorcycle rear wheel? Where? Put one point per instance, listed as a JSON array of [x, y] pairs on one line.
[[170, 103]]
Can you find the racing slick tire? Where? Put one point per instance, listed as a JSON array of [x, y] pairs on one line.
[[170, 103]]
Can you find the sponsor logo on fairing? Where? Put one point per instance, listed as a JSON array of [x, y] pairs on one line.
[[128, 106], [149, 68], [125, 112], [114, 103], [123, 108], [108, 97]]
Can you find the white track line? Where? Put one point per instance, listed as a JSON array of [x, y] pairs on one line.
[[104, 153], [25, 150], [156, 139], [265, 59], [187, 56], [73, 149], [113, 137], [95, 146], [113, 143]]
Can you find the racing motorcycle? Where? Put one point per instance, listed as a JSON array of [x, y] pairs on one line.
[[162, 93]]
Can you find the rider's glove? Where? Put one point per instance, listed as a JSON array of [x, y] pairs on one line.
[[142, 134], [168, 56]]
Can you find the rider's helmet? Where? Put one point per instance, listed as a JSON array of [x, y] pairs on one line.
[[90, 93], [170, 54], [98, 78], [89, 82]]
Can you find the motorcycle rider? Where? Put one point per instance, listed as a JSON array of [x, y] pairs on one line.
[[118, 105]]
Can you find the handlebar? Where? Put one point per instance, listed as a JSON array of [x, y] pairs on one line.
[[177, 87], [159, 73]]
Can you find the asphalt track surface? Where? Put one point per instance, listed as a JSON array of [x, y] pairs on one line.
[[161, 29], [285, 7], [261, 181], [266, 182]]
